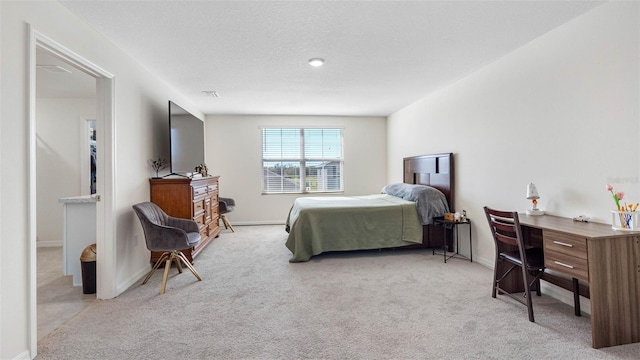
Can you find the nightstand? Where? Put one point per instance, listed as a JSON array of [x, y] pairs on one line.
[[453, 226]]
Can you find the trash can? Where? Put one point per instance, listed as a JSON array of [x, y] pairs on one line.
[[88, 263]]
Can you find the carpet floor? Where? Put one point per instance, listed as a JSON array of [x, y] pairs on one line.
[[254, 304]]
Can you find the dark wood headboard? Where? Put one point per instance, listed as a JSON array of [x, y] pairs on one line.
[[434, 170]]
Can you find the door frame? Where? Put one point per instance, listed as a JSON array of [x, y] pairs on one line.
[[106, 126]]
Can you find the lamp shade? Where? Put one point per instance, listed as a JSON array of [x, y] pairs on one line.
[[532, 192]]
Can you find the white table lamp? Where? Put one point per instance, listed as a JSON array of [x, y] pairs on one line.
[[532, 194]]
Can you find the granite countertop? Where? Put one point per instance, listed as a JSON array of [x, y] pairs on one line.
[[79, 199]]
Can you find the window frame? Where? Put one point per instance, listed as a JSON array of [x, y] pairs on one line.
[[303, 160]]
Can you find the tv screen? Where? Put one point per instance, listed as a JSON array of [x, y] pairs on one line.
[[187, 140]]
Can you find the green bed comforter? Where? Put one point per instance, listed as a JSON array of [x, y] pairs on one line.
[[321, 224]]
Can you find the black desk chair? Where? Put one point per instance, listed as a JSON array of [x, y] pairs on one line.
[[168, 234], [507, 234], [226, 205]]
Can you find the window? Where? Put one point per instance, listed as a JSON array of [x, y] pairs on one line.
[[301, 160]]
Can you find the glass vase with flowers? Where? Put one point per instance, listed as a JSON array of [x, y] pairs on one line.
[[626, 216]]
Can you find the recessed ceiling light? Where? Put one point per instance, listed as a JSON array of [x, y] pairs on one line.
[[316, 62], [211, 93]]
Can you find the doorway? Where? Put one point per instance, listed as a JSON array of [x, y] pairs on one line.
[[105, 181], [63, 92]]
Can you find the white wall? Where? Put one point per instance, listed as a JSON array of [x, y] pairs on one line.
[[141, 121], [562, 112], [58, 139], [234, 152], [2, 189]]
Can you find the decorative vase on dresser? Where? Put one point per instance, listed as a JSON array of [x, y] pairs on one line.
[[189, 198]]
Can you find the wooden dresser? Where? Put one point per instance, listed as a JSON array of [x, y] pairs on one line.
[[195, 198]]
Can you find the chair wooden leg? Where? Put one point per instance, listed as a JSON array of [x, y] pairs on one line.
[[155, 267], [495, 280], [178, 265], [168, 258], [227, 224], [167, 265], [527, 289], [188, 264]]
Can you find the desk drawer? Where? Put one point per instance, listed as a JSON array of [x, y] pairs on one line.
[[568, 265], [565, 244], [566, 254]]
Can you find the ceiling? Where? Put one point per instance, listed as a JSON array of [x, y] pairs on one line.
[[379, 55], [53, 81]]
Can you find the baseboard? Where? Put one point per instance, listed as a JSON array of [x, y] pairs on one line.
[[132, 280], [23, 356], [249, 223], [565, 296], [51, 243], [484, 262]]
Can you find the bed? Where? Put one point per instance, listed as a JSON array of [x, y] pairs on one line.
[[400, 216]]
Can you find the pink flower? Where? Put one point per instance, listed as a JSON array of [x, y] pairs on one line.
[[617, 196]]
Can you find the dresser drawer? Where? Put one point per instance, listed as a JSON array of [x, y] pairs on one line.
[[212, 188], [198, 207], [199, 191], [566, 254], [204, 233], [207, 210], [211, 228], [200, 220]]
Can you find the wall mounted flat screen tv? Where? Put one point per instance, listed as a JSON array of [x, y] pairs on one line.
[[187, 140]]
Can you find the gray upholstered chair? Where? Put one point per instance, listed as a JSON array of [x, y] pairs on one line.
[[226, 205], [169, 235]]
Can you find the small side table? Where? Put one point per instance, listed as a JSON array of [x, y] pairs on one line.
[[453, 225]]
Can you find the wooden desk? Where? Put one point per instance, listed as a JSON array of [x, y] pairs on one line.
[[607, 259]]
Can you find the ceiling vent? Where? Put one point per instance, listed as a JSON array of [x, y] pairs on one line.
[[53, 69], [211, 93]]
